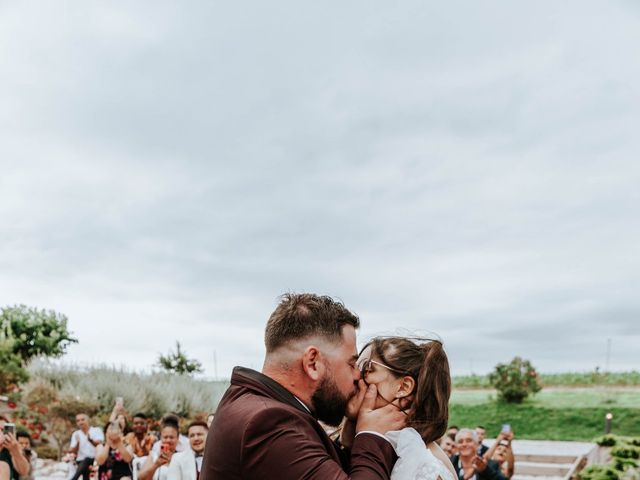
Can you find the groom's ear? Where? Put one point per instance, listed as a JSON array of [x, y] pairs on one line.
[[311, 364]]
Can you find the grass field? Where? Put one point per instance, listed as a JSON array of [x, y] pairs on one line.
[[553, 414], [571, 379]]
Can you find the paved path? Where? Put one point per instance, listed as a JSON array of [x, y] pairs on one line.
[[531, 456]]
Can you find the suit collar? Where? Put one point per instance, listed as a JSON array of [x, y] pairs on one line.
[[257, 381]]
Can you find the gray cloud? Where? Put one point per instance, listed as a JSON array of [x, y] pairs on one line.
[[466, 169]]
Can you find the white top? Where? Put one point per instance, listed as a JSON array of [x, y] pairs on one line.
[[86, 448], [185, 466], [415, 460]]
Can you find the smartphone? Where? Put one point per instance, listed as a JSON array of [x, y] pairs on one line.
[[9, 428], [115, 427], [165, 448], [119, 402], [506, 428]]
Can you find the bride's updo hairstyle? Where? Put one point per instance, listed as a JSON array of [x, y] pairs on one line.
[[426, 362]]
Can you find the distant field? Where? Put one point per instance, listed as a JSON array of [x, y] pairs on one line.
[[591, 397], [560, 379], [552, 414]]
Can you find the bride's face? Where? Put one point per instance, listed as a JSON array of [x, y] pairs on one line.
[[392, 386]]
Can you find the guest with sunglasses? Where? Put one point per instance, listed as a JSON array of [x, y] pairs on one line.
[[412, 375]]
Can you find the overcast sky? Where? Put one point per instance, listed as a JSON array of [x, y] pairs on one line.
[[465, 168]]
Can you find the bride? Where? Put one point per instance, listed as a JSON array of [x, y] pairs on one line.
[[413, 375]]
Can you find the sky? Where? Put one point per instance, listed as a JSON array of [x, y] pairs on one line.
[[468, 169]]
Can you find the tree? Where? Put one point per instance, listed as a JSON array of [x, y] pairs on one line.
[[12, 371], [26, 333], [514, 381], [35, 332], [178, 362]]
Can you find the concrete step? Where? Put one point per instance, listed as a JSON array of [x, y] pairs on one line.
[[539, 469]]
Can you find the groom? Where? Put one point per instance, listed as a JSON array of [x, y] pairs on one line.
[[266, 425]]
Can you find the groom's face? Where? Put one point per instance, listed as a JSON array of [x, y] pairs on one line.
[[339, 383]]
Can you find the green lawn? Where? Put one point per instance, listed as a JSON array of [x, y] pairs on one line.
[[553, 414], [575, 379]]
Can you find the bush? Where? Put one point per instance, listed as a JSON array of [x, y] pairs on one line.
[[623, 464], [514, 381], [626, 451], [154, 394], [599, 472], [606, 441]]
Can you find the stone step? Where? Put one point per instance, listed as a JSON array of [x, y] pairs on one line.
[[544, 458], [539, 469]]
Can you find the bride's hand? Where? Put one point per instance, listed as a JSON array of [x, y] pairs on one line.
[[353, 407]]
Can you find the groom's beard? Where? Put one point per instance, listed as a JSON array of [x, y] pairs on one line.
[[328, 403]]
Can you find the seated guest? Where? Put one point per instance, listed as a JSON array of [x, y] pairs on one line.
[[24, 439], [183, 442], [156, 465], [502, 453], [83, 443], [482, 433], [187, 465], [448, 445], [11, 453], [468, 464], [139, 438], [114, 456]]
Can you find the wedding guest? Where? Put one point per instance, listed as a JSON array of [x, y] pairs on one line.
[[156, 465], [24, 439], [188, 464], [468, 464], [114, 457], [481, 432], [139, 438], [11, 453], [83, 443]]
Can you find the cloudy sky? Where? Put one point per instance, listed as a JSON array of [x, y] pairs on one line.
[[466, 168]]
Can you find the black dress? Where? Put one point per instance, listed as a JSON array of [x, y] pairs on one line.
[[114, 467]]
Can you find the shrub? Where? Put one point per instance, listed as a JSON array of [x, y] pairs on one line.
[[514, 381], [626, 451], [606, 441], [623, 464], [599, 472]]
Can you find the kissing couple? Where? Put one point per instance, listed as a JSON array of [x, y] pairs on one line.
[[390, 399]]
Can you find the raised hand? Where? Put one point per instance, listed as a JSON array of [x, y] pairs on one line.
[[381, 420]]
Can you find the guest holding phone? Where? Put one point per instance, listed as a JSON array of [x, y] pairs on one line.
[[156, 465], [24, 439], [501, 451], [12, 460]]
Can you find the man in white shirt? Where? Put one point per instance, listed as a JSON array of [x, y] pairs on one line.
[[187, 465], [83, 443]]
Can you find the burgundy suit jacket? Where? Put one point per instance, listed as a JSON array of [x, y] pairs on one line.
[[261, 432]]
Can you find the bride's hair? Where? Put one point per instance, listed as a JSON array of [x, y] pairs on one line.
[[426, 362]]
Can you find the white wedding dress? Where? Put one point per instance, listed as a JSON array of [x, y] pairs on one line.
[[415, 460]]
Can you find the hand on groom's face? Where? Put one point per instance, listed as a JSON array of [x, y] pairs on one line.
[[354, 405], [381, 420]]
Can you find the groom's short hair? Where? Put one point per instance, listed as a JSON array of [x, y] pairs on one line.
[[302, 315]]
